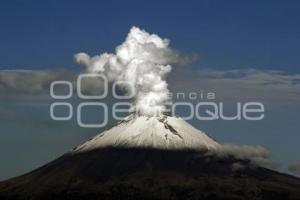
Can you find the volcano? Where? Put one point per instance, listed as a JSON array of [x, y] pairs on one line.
[[150, 158]]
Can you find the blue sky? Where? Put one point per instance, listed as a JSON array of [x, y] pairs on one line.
[[248, 51], [229, 34]]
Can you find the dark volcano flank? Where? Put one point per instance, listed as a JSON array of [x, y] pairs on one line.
[[145, 173]]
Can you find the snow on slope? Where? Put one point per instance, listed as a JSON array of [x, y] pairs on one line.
[[162, 132]]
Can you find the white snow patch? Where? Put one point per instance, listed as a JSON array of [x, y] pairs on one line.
[[161, 132]]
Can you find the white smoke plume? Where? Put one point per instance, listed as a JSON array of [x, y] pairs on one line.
[[143, 60]]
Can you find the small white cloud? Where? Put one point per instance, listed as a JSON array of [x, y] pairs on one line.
[[274, 87], [31, 81], [294, 167], [257, 155]]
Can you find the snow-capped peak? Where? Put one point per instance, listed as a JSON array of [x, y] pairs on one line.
[[161, 132]]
